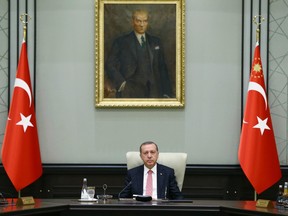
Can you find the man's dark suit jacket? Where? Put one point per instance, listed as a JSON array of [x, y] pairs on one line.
[[166, 183], [122, 64]]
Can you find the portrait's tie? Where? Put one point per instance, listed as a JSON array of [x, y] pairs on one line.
[[149, 183], [143, 41]]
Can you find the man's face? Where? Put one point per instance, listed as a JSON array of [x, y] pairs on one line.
[[140, 22], [149, 155]]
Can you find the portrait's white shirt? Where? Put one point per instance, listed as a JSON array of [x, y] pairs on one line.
[[139, 37], [154, 180]]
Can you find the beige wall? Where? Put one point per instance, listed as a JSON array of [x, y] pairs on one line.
[[72, 130]]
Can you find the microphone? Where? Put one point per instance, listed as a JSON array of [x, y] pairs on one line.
[[165, 197], [3, 201], [119, 195]]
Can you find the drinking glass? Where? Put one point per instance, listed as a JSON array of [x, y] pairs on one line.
[[91, 192]]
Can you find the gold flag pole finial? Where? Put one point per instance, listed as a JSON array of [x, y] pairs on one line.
[[258, 23], [24, 18]]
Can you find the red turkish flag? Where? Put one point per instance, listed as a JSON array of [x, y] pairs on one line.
[[257, 153], [20, 151]]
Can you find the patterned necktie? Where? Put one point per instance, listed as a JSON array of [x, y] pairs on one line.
[[149, 183], [143, 41]]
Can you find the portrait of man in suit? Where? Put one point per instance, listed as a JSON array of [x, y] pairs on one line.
[[135, 62]]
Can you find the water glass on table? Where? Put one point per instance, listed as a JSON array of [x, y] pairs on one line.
[[91, 192]]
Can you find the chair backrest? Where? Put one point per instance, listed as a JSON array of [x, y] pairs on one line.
[[176, 160]]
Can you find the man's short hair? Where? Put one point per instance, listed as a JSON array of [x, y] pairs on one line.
[[148, 143], [140, 11]]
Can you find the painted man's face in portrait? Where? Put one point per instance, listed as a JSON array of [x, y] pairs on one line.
[[140, 22]]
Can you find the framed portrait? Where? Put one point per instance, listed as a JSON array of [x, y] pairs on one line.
[[139, 53]]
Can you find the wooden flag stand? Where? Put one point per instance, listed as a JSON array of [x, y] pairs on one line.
[[262, 203], [25, 201]]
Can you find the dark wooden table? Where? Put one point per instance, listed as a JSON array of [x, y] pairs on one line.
[[113, 207]]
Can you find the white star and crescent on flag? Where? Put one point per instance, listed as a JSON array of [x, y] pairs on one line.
[[25, 122], [262, 124]]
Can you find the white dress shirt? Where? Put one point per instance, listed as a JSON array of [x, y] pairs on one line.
[[139, 37]]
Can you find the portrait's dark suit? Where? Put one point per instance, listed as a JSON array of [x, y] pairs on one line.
[[166, 183], [142, 67]]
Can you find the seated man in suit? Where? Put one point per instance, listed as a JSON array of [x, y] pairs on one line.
[[160, 183]]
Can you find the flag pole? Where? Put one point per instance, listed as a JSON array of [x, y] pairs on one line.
[[257, 22], [24, 18]]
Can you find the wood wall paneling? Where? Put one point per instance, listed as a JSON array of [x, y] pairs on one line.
[[225, 182]]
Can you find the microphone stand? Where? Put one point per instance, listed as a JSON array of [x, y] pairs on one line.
[[119, 195]]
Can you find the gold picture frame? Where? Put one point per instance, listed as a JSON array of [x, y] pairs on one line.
[[117, 84]]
